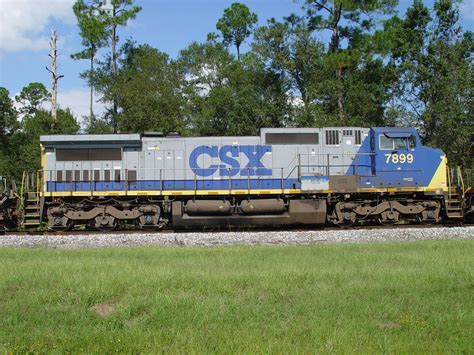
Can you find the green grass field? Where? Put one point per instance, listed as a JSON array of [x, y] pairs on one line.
[[381, 297]]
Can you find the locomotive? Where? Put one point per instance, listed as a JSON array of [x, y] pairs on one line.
[[284, 176]]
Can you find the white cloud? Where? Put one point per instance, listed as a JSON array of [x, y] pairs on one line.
[[24, 23], [467, 9], [78, 101]]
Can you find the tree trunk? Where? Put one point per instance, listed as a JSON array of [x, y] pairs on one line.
[[336, 13], [91, 117], [340, 98], [54, 78], [114, 66], [238, 52], [335, 49]]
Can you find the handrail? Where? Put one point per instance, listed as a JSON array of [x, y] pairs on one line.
[[37, 187], [22, 188], [461, 179]]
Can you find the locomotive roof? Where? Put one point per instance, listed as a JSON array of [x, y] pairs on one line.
[[136, 138], [91, 138]]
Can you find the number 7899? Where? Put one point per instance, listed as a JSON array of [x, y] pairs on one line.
[[399, 158]]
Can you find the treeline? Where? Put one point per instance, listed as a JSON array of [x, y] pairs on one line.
[[342, 63]]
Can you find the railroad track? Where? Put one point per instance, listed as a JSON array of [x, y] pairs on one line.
[[237, 230]]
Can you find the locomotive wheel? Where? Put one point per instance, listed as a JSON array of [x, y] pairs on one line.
[[105, 223], [59, 223], [389, 218], [349, 219]]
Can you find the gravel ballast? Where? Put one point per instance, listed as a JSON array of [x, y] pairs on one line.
[[76, 240]]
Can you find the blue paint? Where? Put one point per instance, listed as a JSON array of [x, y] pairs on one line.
[[383, 173], [207, 184], [228, 155]]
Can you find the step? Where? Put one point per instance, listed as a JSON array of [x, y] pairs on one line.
[[30, 207], [35, 215], [32, 223]]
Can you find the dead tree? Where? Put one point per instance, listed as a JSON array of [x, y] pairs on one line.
[[54, 78]]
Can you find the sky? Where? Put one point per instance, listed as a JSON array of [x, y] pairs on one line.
[[169, 25]]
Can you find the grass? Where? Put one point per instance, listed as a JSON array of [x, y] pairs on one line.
[[381, 297]]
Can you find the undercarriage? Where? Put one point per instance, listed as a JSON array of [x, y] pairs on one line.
[[198, 211]]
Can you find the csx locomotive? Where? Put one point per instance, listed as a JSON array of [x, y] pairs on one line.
[[284, 176]]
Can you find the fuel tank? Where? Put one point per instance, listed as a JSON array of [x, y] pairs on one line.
[[264, 206], [208, 208]]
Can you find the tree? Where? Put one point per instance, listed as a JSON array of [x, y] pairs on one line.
[[203, 65], [432, 59], [8, 113], [104, 17], [148, 90], [229, 97], [54, 77], [288, 49], [121, 12], [26, 154], [236, 25], [92, 28], [31, 97], [346, 20], [8, 126]]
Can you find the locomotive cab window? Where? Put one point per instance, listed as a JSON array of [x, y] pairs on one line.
[[396, 143]]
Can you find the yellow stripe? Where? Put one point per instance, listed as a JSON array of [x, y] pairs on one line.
[[439, 180], [227, 192]]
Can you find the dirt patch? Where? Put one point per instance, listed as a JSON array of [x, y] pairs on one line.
[[104, 309]]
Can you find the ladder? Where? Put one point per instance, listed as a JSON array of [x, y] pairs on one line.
[[455, 196], [31, 200]]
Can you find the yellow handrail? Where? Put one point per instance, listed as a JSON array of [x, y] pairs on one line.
[[448, 170]]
